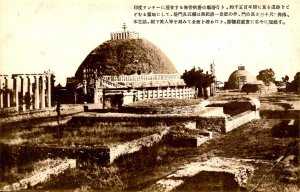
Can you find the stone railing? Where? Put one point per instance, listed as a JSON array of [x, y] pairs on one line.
[[166, 92], [143, 77], [108, 83]]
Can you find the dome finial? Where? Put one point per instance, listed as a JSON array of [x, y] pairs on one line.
[[241, 67], [124, 26]]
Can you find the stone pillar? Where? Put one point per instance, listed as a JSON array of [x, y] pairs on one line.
[[16, 92], [43, 106], [137, 95], [96, 96], [103, 99], [30, 82], [36, 93], [144, 94], [7, 92], [23, 90], [1, 92], [167, 91], [100, 99], [49, 90], [8, 98]]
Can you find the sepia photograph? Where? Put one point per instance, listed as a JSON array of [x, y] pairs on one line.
[[149, 96]]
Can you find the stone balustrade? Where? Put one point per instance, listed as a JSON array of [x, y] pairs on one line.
[[166, 92], [143, 77]]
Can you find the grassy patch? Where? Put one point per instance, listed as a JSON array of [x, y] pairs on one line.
[[98, 134], [97, 178]]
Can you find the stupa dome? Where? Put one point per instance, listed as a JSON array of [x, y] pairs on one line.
[[239, 77], [126, 57]]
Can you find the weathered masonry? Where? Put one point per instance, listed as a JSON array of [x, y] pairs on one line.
[[25, 91]]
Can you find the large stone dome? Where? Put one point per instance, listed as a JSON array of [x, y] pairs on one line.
[[239, 77], [126, 56]]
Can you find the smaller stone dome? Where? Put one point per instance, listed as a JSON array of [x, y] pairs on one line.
[[239, 77], [259, 86]]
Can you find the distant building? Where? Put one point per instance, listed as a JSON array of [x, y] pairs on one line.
[[238, 78]]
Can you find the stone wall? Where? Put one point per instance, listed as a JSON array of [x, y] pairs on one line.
[[211, 119], [213, 111], [41, 176], [225, 124], [240, 119], [187, 109], [163, 110], [136, 145], [140, 119]]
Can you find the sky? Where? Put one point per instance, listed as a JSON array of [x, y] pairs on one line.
[[38, 35]]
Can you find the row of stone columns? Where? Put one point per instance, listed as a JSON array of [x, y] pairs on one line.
[[29, 91]]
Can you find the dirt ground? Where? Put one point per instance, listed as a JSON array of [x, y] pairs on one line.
[[252, 142]]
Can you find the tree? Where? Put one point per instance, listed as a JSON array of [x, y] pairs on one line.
[[285, 79], [295, 84], [196, 78], [267, 76]]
